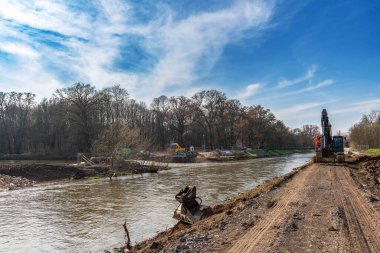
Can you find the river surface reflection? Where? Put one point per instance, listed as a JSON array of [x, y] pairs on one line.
[[87, 216]]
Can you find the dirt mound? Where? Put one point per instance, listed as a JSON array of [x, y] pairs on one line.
[[371, 169], [11, 183], [357, 159], [39, 172], [49, 172]]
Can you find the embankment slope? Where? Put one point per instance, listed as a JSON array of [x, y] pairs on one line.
[[319, 209]]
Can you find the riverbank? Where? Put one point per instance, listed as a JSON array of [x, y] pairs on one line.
[[18, 175], [34, 171], [222, 216], [214, 156], [93, 210], [304, 209]]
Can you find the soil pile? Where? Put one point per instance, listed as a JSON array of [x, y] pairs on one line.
[[40, 172], [11, 183], [371, 169]]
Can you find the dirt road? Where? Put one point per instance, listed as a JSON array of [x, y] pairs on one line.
[[320, 210]]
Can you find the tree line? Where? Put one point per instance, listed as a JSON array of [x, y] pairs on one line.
[[76, 117], [367, 131]]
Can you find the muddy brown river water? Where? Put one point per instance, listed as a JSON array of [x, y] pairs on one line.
[[87, 216]]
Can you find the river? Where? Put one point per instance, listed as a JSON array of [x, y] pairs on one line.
[[87, 216]]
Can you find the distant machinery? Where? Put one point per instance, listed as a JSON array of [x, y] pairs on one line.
[[328, 146], [179, 153]]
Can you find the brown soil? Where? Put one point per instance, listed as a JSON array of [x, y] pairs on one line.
[[11, 183], [39, 172], [322, 208], [22, 175]]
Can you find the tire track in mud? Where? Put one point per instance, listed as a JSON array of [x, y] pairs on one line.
[[363, 221], [258, 239], [319, 224], [330, 192]]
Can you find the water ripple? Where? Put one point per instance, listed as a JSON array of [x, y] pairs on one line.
[[87, 215]]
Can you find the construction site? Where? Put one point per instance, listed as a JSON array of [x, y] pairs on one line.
[[324, 200], [239, 126], [331, 204], [316, 208]]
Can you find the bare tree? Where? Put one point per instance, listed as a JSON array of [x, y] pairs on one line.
[[80, 118], [15, 112], [367, 131], [82, 99]]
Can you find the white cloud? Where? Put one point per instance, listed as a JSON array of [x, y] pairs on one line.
[[249, 91], [185, 49], [90, 45], [302, 110], [317, 86], [28, 76], [191, 46], [298, 108], [361, 107], [46, 15], [307, 89], [306, 77], [19, 49]]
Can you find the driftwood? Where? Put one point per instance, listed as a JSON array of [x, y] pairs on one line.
[[128, 246]]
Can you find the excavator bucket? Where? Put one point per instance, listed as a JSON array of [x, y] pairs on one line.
[[189, 211]]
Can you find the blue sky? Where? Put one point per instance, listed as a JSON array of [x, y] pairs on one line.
[[293, 57]]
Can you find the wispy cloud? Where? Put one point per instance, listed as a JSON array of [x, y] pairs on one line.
[[299, 110], [307, 89], [249, 91], [361, 107], [58, 43], [18, 49], [189, 48], [314, 87], [47, 15], [306, 77]]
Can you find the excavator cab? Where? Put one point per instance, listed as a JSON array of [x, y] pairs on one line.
[[338, 148]]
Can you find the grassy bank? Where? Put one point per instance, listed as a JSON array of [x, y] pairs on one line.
[[375, 151]]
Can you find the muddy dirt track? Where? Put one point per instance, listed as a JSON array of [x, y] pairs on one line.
[[320, 210]]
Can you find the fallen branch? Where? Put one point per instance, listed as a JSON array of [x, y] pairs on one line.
[[127, 235]]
